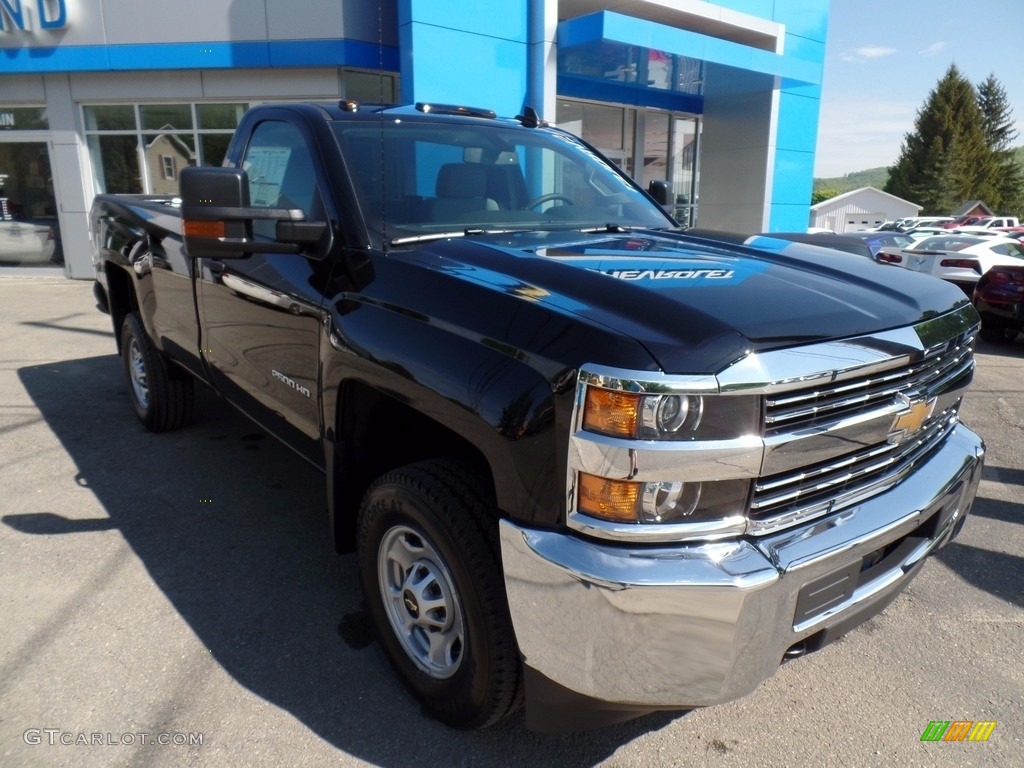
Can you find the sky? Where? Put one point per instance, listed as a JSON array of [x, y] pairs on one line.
[[883, 57]]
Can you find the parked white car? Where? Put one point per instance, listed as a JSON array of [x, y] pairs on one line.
[[22, 242], [958, 258]]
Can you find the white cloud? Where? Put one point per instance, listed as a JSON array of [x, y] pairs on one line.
[[875, 52], [934, 48]]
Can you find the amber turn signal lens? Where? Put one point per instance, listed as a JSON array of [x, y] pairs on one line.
[[611, 413], [614, 500], [193, 228]]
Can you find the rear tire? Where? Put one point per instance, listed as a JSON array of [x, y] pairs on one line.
[[430, 567], [161, 394]]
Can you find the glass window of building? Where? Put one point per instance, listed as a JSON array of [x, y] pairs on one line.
[[29, 230], [369, 87], [603, 125], [648, 144], [136, 148], [684, 169], [23, 119]]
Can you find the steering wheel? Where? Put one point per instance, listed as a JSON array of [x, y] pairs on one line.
[[547, 199]]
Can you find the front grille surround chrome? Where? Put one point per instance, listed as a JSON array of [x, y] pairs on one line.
[[828, 439], [794, 410]]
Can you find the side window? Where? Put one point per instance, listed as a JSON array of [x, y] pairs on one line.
[[281, 173]]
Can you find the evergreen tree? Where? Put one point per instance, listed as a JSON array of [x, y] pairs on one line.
[[1000, 134], [945, 159]]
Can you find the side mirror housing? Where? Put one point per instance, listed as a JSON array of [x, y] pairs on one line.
[[217, 217], [659, 190]]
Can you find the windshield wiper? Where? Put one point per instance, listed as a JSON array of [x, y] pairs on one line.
[[619, 228], [445, 235], [604, 228]]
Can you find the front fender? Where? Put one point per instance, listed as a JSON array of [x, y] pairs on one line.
[[507, 404]]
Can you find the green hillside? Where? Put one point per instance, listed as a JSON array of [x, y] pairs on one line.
[[872, 177]]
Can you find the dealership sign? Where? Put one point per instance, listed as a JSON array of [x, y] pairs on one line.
[[32, 15]]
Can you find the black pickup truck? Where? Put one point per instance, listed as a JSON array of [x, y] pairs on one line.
[[586, 459]]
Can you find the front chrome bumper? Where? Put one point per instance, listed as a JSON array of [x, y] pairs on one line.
[[697, 624]]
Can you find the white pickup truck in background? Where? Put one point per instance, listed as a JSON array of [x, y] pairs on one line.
[[1005, 223]]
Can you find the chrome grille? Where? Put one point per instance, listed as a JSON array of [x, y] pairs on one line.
[[796, 410], [788, 498]]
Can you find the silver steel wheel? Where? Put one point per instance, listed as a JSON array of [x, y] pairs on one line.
[[137, 370], [421, 601]]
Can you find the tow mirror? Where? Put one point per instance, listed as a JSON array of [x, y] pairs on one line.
[[217, 218]]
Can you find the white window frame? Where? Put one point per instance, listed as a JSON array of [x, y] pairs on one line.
[[140, 134]]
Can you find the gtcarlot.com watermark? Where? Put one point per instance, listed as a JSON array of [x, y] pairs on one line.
[[58, 736]]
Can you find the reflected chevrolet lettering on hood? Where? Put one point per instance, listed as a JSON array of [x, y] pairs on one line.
[[668, 274]]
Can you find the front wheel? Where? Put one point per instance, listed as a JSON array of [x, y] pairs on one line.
[[431, 575], [162, 395]]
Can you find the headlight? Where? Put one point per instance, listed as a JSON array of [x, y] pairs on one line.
[[669, 416], [660, 458], [624, 501]]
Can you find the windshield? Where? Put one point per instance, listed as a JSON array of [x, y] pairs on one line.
[[417, 179]]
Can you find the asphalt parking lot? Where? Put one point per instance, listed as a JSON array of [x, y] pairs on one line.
[[179, 588]]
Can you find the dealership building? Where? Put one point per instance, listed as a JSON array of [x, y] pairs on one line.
[[719, 99]]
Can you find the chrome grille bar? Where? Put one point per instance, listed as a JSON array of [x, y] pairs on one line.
[[786, 500], [795, 410]]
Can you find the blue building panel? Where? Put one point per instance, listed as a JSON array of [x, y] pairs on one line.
[[596, 89], [794, 179], [805, 49], [805, 18], [76, 58], [798, 122], [456, 63], [198, 55], [497, 19], [333, 53], [214, 55], [485, 72], [799, 89], [606, 26], [789, 218]]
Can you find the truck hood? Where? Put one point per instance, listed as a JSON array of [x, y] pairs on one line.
[[698, 304]]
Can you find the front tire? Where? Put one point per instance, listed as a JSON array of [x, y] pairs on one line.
[[161, 394], [431, 575]]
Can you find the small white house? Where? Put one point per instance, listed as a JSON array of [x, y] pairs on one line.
[[864, 208]]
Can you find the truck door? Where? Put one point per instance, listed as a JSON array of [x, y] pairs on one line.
[[261, 315]]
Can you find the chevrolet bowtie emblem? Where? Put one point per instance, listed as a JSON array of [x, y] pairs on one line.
[[910, 420]]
